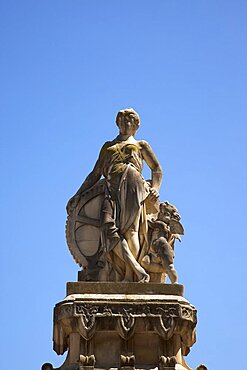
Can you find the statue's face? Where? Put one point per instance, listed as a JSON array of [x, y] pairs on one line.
[[127, 125]]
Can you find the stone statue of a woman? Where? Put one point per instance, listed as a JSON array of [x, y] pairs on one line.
[[123, 221]]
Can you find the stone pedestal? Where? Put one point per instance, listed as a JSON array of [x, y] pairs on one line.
[[124, 326]]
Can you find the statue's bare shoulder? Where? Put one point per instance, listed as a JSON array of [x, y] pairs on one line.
[[144, 146], [149, 156], [144, 143], [105, 146]]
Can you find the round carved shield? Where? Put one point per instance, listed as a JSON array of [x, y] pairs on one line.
[[83, 225]]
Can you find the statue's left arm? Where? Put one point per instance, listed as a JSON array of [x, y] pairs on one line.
[[152, 162]]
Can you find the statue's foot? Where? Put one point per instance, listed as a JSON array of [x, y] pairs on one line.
[[145, 279]]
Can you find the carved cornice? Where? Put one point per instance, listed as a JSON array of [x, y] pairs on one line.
[[163, 318]]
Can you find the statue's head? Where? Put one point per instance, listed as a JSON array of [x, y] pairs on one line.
[[128, 117]]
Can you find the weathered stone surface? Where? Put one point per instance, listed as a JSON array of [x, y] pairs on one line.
[[93, 320], [124, 288]]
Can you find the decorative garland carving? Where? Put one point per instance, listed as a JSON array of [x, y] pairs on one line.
[[166, 319], [126, 323], [86, 319]]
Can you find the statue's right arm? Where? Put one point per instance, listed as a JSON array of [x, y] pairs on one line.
[[90, 180]]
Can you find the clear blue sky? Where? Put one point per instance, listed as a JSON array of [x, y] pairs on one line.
[[67, 67]]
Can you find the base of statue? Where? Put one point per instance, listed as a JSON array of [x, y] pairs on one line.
[[123, 325]]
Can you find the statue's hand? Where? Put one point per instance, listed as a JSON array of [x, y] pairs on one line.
[[153, 194], [72, 203]]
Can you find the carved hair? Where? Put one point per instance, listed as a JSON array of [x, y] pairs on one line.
[[129, 112]]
